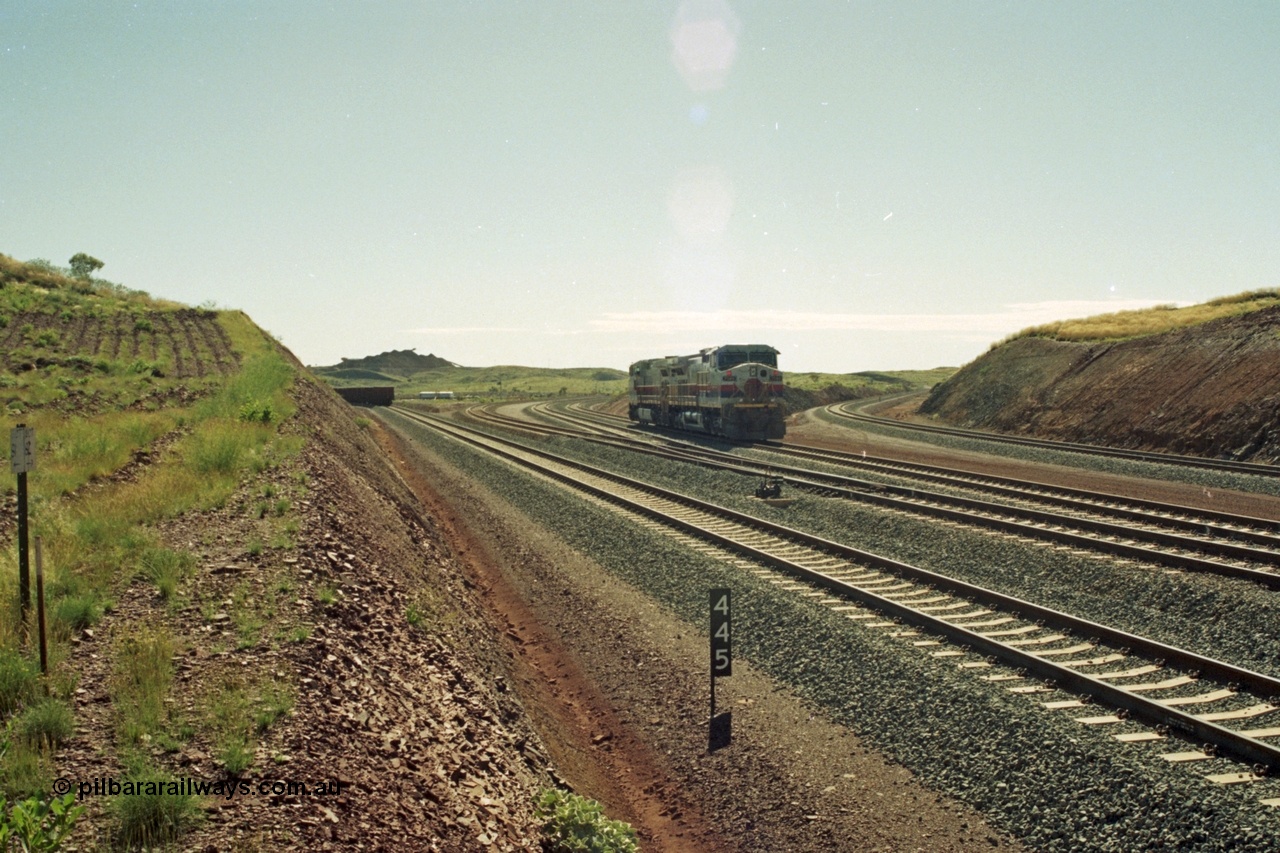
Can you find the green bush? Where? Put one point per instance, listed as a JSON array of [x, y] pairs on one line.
[[155, 816], [575, 824], [166, 569], [217, 451], [18, 681], [256, 411], [46, 725], [78, 612], [37, 825]]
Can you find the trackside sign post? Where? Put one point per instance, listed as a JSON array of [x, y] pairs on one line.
[[721, 640], [22, 458]]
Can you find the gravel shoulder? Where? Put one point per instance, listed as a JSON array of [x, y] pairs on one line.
[[792, 779]]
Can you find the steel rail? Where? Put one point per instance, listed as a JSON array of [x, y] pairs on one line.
[[1228, 741], [1189, 518], [841, 410], [975, 512], [1136, 509]]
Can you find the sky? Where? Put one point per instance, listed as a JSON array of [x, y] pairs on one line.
[[571, 183]]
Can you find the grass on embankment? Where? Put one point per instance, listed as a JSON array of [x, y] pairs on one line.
[[99, 531], [1123, 325]]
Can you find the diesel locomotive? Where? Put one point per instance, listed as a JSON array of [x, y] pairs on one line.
[[733, 391]]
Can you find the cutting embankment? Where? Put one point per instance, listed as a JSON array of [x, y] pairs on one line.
[[1202, 380], [257, 638]]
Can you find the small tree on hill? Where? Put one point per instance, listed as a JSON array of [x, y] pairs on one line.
[[84, 266]]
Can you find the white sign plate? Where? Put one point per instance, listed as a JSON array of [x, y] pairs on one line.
[[22, 449]]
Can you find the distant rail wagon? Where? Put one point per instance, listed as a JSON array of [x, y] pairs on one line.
[[435, 395], [733, 391], [368, 396]]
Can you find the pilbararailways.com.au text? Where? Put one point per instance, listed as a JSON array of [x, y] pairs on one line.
[[229, 789]]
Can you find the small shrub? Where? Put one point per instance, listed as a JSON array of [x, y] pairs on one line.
[[78, 612], [46, 725], [37, 825], [274, 702], [18, 681], [166, 569], [26, 771], [217, 452], [155, 814], [235, 755], [575, 824], [256, 412], [140, 681], [326, 594]]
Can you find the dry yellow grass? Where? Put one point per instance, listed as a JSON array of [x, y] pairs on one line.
[[1152, 321]]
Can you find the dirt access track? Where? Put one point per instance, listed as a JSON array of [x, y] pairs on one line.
[[617, 690]]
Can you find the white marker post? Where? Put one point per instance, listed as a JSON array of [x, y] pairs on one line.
[[721, 640]]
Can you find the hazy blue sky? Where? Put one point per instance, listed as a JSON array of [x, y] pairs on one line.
[[863, 185]]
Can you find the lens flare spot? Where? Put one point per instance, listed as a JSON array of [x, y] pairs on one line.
[[704, 43]]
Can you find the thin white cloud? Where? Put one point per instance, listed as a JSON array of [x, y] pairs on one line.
[[464, 330], [1014, 317]]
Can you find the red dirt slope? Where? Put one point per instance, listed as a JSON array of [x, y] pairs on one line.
[[1207, 390]]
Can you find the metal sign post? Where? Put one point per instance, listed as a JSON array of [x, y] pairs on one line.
[[22, 458], [40, 627]]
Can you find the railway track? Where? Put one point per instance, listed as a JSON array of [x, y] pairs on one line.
[[1011, 643], [852, 412], [1176, 537]]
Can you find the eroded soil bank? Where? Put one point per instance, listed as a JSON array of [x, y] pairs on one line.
[[1208, 390]]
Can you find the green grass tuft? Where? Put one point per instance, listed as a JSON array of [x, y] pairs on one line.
[[47, 724], [154, 817], [19, 681]]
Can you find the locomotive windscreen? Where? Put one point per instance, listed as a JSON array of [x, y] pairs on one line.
[[728, 359]]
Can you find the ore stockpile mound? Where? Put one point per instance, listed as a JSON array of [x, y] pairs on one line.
[[1207, 390]]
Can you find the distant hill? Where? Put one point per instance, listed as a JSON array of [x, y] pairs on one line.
[[403, 362], [1166, 379], [411, 373], [806, 390]]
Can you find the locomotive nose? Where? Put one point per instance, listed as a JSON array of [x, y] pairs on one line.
[[753, 389]]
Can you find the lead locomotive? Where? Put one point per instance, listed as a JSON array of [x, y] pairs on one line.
[[734, 391]]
